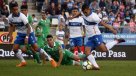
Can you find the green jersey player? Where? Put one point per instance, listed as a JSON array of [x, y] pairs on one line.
[[39, 35], [45, 24], [64, 57]]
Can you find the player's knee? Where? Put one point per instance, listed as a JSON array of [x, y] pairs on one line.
[[87, 52], [15, 50], [35, 47], [104, 50]]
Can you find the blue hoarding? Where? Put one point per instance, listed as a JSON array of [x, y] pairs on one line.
[[130, 38]]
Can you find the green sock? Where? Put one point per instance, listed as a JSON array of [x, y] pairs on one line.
[[29, 52], [81, 62], [36, 57]]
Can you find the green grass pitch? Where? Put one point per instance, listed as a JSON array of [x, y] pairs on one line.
[[108, 68]]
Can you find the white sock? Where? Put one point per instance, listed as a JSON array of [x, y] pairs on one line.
[[19, 55], [19, 50], [43, 52], [92, 60], [109, 45], [76, 62]]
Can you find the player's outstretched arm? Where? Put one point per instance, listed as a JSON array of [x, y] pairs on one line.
[[61, 56], [108, 27], [28, 29], [10, 31]]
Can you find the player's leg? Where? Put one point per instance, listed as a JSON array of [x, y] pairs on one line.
[[106, 47], [79, 44], [19, 55], [36, 55], [72, 44], [32, 41], [19, 41], [42, 52], [90, 43], [25, 49], [77, 63], [28, 50], [75, 58], [91, 58], [111, 44]]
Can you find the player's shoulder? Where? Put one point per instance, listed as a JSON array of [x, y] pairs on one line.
[[45, 46], [57, 31], [10, 16], [94, 14], [22, 15], [80, 17], [57, 43]]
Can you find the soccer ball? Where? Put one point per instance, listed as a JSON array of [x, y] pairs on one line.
[[87, 65]]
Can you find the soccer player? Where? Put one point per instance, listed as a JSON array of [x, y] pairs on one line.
[[27, 48], [24, 34], [39, 35], [61, 56], [60, 35], [75, 27], [24, 10], [91, 21], [45, 24]]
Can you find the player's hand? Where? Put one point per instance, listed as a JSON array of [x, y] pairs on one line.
[[58, 64], [114, 32], [26, 40]]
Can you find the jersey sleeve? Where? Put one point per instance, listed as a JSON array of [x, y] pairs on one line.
[[39, 23], [30, 19], [57, 33], [45, 48], [96, 18], [58, 44], [24, 19], [10, 19], [67, 22], [82, 21]]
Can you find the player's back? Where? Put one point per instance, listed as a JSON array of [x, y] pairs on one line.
[[53, 51]]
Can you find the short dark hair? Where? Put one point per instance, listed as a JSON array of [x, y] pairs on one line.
[[33, 15], [24, 7], [14, 5], [49, 36], [75, 8], [85, 6]]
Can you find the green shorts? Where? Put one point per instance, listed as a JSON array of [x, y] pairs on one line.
[[67, 58]]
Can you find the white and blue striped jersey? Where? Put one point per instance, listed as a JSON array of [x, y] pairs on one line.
[[75, 27], [20, 22], [60, 35], [91, 24]]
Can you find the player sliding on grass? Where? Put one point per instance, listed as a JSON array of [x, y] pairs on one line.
[[24, 34], [92, 21], [61, 56]]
